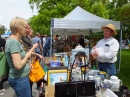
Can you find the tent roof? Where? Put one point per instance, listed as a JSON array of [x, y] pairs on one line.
[[80, 14], [79, 21]]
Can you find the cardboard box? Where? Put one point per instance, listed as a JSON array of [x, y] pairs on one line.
[[50, 91]]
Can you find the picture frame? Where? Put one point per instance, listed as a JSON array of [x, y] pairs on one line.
[[57, 74]]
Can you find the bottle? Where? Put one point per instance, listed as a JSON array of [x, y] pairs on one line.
[[66, 58], [94, 67], [41, 91], [66, 61]]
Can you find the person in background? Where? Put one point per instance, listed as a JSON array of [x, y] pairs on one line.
[[29, 46], [81, 41], [56, 38], [47, 46], [17, 58], [27, 39], [28, 42], [44, 42], [2, 46], [37, 39], [106, 50], [129, 44], [38, 50], [2, 43], [30, 35]]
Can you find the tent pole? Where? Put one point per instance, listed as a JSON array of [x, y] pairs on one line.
[[90, 37], [51, 43], [120, 45]]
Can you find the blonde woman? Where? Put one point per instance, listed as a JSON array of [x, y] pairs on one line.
[[17, 58]]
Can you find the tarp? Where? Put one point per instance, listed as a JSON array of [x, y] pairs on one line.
[[79, 21], [7, 34]]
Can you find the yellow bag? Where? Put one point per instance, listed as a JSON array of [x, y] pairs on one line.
[[37, 72]]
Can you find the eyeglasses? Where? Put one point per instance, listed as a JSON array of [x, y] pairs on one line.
[[28, 28], [25, 27]]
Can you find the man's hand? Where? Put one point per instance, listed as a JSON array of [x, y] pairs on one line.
[[94, 47], [95, 53]]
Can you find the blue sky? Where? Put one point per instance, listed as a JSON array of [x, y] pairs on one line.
[[12, 8]]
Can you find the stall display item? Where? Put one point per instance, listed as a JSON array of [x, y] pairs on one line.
[[76, 74], [54, 63], [78, 49], [75, 89]]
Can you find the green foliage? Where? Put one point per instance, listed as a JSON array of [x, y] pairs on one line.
[[2, 29], [97, 35], [48, 9], [99, 10], [124, 71], [125, 14], [125, 17], [41, 22]]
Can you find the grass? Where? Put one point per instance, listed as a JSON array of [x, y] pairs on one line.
[[124, 73]]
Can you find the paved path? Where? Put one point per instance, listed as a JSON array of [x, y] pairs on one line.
[[9, 92]]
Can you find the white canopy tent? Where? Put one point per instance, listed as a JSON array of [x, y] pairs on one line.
[[79, 21]]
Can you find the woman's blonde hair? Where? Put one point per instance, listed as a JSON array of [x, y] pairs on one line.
[[17, 22]]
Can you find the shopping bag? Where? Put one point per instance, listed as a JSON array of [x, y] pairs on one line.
[[37, 72], [4, 67]]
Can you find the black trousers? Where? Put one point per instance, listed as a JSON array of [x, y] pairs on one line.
[[1, 85], [40, 81]]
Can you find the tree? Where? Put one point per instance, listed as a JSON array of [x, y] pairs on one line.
[[99, 10], [2, 29], [48, 9], [125, 17], [41, 22]]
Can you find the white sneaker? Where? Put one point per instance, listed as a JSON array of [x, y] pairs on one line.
[[1, 93]]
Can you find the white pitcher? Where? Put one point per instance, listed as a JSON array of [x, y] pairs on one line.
[[90, 77], [115, 82]]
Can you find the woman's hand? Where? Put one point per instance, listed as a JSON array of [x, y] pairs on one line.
[[31, 67], [41, 57], [30, 64], [28, 54], [38, 55]]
